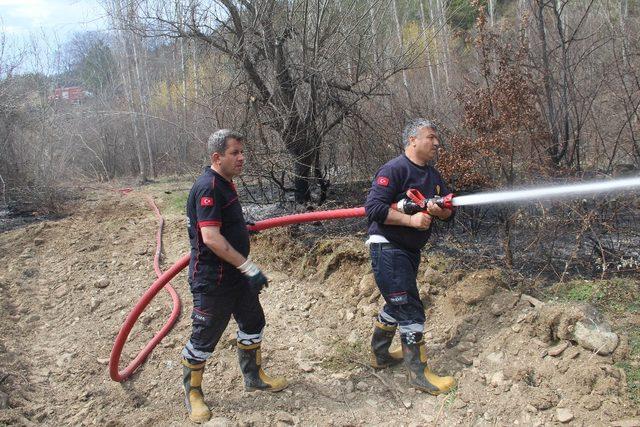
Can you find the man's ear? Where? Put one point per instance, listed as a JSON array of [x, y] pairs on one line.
[[215, 157]]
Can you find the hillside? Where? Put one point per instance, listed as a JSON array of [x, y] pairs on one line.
[[67, 285]]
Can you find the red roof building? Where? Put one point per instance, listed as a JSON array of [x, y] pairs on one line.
[[73, 94]]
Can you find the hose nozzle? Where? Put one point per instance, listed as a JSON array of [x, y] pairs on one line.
[[445, 202], [417, 197]]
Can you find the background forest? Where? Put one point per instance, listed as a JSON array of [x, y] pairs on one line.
[[524, 91]]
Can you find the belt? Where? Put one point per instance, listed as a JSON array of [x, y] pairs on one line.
[[385, 245]]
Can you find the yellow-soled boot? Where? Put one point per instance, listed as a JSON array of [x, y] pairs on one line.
[[255, 378], [381, 356], [420, 376], [194, 399]]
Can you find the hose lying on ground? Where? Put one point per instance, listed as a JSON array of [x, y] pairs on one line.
[[131, 319], [164, 278]]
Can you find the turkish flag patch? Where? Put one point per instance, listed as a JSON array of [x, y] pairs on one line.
[[206, 201], [383, 180]]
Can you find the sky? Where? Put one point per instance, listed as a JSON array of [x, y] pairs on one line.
[[47, 23], [20, 17]]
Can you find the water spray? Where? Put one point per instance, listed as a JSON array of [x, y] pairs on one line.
[[531, 194], [564, 191]]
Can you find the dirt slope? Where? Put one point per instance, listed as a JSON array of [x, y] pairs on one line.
[[66, 287]]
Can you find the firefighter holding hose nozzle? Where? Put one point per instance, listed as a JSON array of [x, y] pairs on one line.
[[396, 236], [222, 278]]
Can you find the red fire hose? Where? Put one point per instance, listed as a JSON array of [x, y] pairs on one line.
[[114, 360], [164, 278], [307, 217]]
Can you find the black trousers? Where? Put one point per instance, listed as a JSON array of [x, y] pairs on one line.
[[211, 314], [395, 272]]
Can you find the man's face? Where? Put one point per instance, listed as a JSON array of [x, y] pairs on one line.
[[425, 144], [231, 162]]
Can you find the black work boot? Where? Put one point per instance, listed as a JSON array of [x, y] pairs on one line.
[[194, 399], [381, 340], [255, 378], [420, 376]]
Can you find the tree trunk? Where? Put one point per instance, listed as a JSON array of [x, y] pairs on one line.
[[624, 13], [127, 78], [427, 42], [435, 24], [445, 40], [4, 193], [546, 78], [143, 109], [564, 82], [508, 237], [492, 6], [302, 141], [405, 82], [374, 32], [183, 69]]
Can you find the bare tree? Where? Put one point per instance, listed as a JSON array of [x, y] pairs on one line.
[[11, 118], [563, 49], [427, 41], [295, 60], [131, 75], [399, 27]]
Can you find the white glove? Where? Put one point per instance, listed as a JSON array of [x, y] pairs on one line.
[[249, 268]]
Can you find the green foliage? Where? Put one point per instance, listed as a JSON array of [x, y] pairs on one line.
[[178, 202], [614, 295], [632, 372], [89, 62], [634, 342], [344, 355], [451, 397], [97, 68], [584, 292], [461, 14], [631, 366]]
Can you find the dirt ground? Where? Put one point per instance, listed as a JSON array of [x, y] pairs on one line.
[[66, 287]]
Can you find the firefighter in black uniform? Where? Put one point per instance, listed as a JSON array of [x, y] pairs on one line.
[[223, 280], [395, 240]]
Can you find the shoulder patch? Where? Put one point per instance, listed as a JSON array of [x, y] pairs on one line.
[[206, 201], [383, 181], [437, 190]]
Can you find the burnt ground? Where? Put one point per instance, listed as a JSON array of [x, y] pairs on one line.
[[66, 286]]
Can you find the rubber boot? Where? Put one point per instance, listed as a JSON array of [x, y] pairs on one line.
[[381, 340], [420, 376], [255, 378], [194, 399]]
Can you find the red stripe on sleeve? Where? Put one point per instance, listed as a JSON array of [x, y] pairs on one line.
[[209, 224]]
